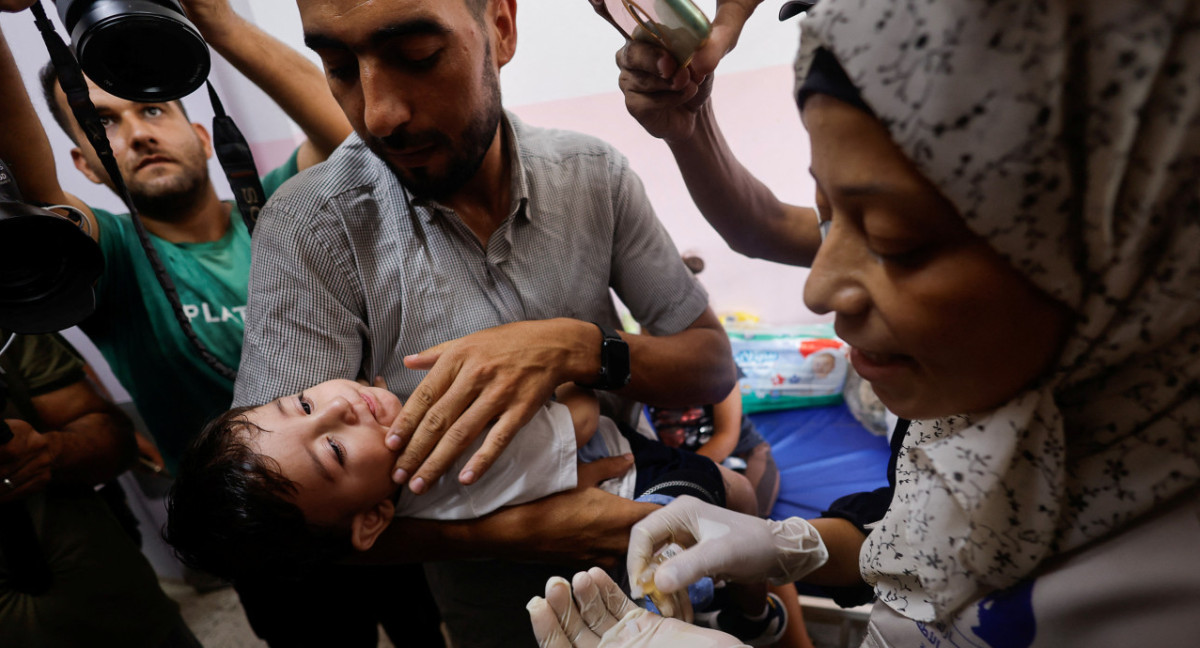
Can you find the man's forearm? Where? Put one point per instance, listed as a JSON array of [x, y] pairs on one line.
[[694, 366], [91, 440], [585, 527], [92, 449], [23, 143], [743, 210]]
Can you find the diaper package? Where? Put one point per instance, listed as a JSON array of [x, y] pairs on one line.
[[788, 367]]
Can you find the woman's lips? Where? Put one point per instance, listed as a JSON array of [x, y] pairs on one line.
[[875, 367]]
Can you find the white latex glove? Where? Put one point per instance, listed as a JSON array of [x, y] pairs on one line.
[[601, 616], [723, 544]]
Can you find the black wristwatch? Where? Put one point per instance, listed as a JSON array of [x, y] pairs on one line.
[[614, 361]]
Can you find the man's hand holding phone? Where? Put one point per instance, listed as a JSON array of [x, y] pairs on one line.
[[661, 96], [665, 89], [681, 28]]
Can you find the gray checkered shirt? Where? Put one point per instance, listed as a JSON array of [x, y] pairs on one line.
[[351, 273]]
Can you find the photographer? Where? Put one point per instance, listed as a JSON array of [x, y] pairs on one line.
[[205, 246], [202, 240], [67, 438]]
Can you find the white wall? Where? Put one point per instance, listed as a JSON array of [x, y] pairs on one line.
[[563, 76]]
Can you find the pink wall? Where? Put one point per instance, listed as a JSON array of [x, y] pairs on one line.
[[770, 140], [268, 155]]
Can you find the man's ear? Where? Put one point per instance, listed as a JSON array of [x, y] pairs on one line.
[[503, 19], [205, 139], [81, 163], [367, 525]]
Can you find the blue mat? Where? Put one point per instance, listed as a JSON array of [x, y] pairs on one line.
[[823, 453]]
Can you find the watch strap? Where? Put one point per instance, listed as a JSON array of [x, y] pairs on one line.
[[607, 378]]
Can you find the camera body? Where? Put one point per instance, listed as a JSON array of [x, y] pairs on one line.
[[47, 266], [141, 50]]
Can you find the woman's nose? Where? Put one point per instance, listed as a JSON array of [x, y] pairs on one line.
[[836, 281]]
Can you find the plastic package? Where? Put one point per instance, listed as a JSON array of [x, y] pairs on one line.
[[788, 367]]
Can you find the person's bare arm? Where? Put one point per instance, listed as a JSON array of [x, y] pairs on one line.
[[88, 441], [94, 439], [582, 527], [292, 81], [692, 366], [504, 373], [727, 428], [584, 408], [743, 210], [24, 145], [672, 106], [844, 542]]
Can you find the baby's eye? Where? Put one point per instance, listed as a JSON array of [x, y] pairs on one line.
[[304, 404], [337, 451]]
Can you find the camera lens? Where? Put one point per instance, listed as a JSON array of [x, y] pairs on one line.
[[141, 50], [47, 267], [26, 277], [31, 269]]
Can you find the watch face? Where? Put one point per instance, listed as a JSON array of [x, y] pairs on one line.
[[615, 356]]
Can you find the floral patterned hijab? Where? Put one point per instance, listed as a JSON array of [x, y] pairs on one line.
[[1067, 134]]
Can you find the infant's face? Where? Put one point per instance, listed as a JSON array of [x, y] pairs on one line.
[[329, 440], [823, 364]]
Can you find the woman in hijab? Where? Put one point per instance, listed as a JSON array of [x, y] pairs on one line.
[[1009, 199]]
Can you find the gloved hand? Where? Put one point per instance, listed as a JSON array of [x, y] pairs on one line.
[[601, 616], [723, 544]]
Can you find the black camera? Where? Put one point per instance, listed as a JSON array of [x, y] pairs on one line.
[[47, 266], [141, 50]]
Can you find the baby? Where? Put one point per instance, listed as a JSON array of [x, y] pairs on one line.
[[306, 479]]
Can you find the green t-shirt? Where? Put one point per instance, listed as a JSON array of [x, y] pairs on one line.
[[41, 364], [134, 327]]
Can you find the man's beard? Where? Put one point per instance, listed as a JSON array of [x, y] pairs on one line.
[[171, 199], [465, 159]]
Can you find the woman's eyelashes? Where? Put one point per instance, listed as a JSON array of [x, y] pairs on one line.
[[305, 405], [908, 256]]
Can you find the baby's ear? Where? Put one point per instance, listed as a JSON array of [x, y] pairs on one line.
[[367, 525]]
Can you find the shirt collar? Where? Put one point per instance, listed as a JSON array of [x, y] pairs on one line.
[[519, 182]]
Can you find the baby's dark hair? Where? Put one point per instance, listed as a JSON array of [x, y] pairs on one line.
[[230, 512]]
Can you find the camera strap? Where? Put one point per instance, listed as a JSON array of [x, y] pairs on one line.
[[74, 85], [238, 162]]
